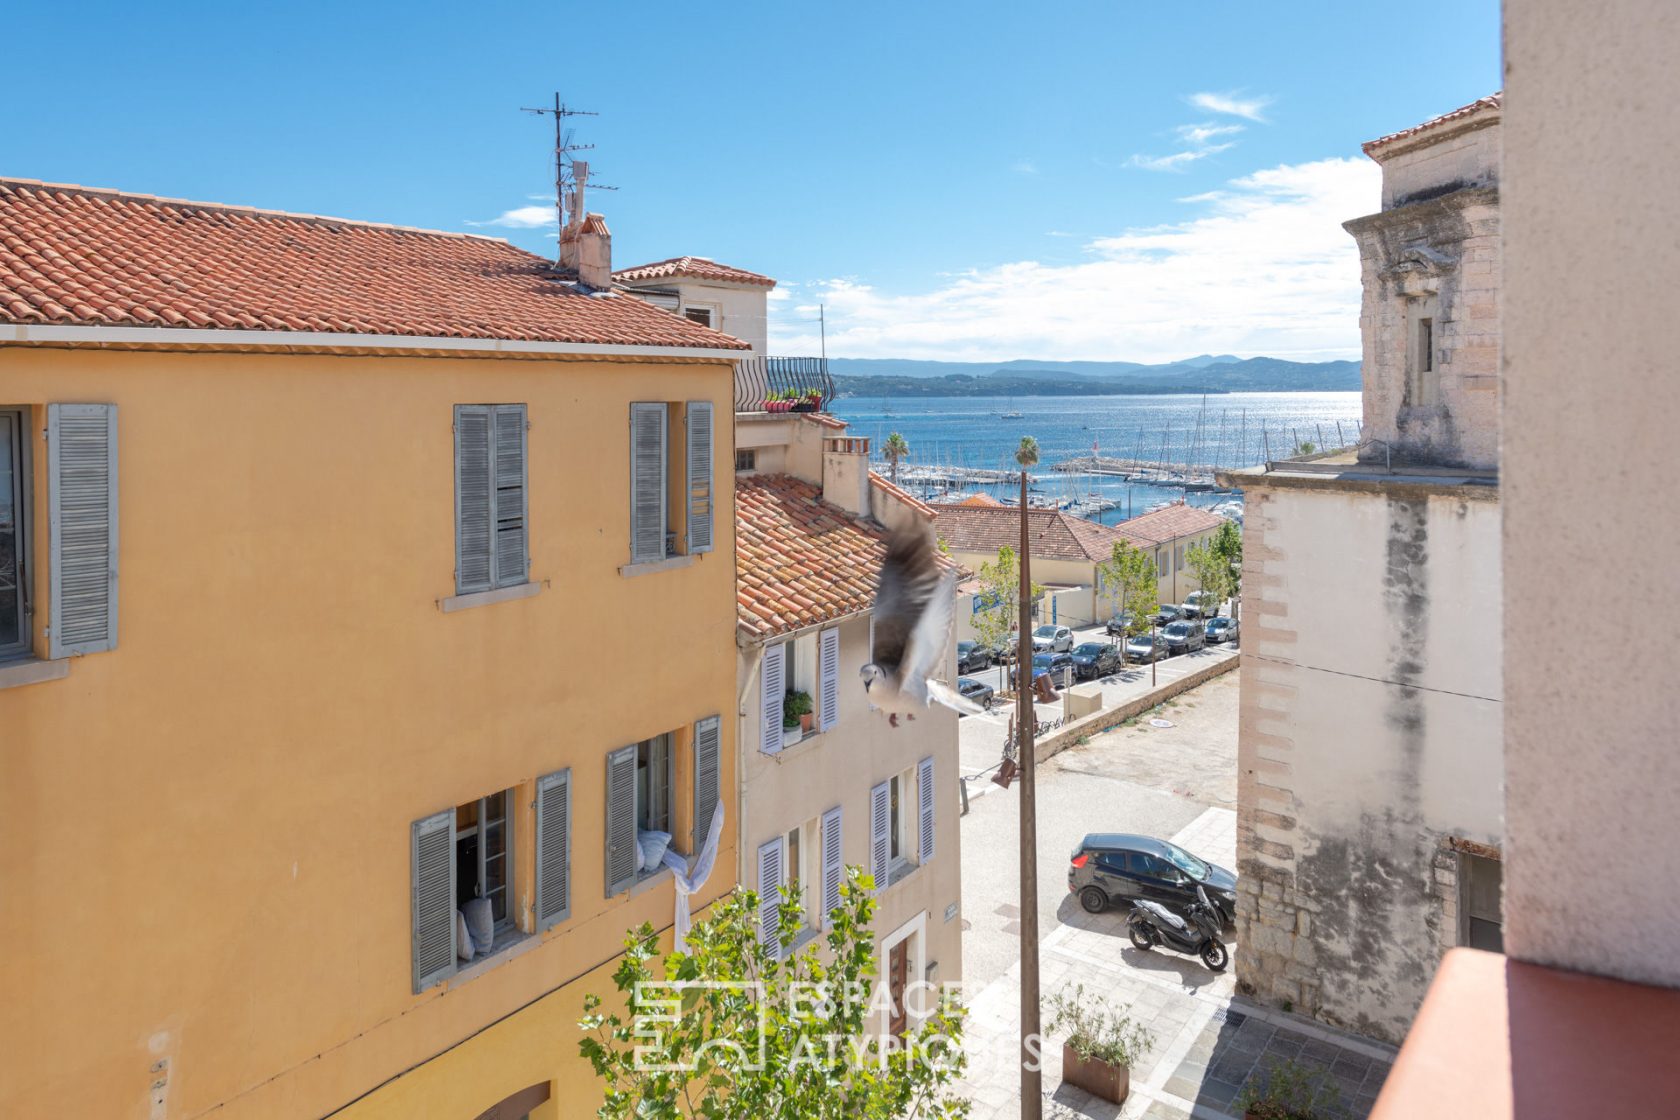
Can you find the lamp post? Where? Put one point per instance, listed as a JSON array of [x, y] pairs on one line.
[[1032, 1099]]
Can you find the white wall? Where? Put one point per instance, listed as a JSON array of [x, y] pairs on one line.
[[737, 309]]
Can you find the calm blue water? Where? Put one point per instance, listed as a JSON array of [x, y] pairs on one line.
[[1227, 430]]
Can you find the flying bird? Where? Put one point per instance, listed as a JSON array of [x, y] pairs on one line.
[[913, 601]]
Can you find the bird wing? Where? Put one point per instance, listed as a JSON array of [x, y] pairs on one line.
[[929, 638], [909, 576]]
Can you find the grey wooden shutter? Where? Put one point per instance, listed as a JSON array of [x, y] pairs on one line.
[[772, 691], [828, 678], [512, 554], [622, 853], [770, 895], [647, 482], [474, 500], [82, 527], [433, 841], [554, 848], [833, 862], [924, 801], [707, 776], [699, 476], [880, 844]]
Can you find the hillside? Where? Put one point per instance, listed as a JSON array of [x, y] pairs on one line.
[[1024, 377]]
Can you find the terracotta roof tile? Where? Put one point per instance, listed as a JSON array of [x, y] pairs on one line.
[[698, 268], [887, 486], [80, 256], [1172, 522], [1491, 101], [798, 559], [1053, 534]]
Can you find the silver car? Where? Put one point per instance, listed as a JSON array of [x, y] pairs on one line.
[[1053, 639]]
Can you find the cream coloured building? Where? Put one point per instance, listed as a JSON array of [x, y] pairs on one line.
[[846, 789], [1369, 801]]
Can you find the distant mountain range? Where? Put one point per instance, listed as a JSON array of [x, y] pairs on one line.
[[1206, 373]]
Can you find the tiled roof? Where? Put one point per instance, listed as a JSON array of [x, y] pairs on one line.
[[887, 486], [1172, 522], [79, 256], [985, 500], [698, 268], [1492, 101], [1053, 534], [799, 560]]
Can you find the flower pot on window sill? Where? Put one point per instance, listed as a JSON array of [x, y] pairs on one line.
[[1097, 1077], [805, 722], [792, 735]]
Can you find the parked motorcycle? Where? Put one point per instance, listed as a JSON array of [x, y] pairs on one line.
[[1197, 932]]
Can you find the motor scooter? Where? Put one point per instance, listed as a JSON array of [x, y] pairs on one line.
[[1152, 924]]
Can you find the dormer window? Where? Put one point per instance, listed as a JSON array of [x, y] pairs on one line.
[[701, 315]]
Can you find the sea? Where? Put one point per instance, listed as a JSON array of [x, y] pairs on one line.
[[1222, 431]]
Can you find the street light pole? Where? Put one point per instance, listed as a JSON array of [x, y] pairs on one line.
[[1032, 1100]]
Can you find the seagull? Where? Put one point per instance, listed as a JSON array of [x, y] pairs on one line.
[[913, 601]]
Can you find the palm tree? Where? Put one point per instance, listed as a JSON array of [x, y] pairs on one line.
[[895, 450], [1026, 454]]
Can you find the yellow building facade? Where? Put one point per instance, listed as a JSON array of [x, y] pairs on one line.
[[301, 687]]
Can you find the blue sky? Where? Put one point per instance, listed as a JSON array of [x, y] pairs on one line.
[[974, 181]]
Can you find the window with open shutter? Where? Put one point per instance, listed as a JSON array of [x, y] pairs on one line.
[[880, 828], [772, 691], [770, 869], [82, 527], [433, 842], [833, 863], [491, 536], [924, 804], [647, 482], [622, 855], [828, 678], [699, 476], [554, 848], [707, 776]]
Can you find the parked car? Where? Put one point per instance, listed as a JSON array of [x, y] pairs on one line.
[[1056, 639], [1111, 867], [1184, 636], [1221, 629], [1095, 659], [972, 657], [1058, 665], [1120, 623], [1199, 604], [1006, 651], [1146, 647], [977, 691], [1168, 613]]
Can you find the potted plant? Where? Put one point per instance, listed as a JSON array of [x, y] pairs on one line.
[[805, 402], [1291, 1090], [796, 711], [1101, 1047]]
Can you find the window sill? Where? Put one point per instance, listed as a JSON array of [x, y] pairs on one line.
[[505, 948], [805, 937], [795, 746], [899, 871], [16, 674], [486, 598], [649, 567], [649, 881]]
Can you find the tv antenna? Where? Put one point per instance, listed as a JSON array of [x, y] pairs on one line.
[[566, 176]]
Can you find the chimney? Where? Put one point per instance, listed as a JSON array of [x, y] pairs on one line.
[[586, 243], [845, 473]]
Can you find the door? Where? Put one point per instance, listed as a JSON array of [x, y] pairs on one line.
[[1155, 881], [1114, 877], [898, 978]]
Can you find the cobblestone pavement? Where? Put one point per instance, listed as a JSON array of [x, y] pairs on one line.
[[1208, 1042]]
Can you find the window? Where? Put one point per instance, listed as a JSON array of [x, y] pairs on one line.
[[484, 855], [14, 601], [701, 315], [490, 506], [1426, 345], [1481, 925], [1161, 563], [653, 784], [643, 797], [1423, 381], [746, 459], [896, 835], [670, 479]]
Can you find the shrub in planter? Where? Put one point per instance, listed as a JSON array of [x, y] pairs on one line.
[[1102, 1045], [795, 705], [1291, 1090]]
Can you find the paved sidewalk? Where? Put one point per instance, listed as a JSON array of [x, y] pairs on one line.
[[1207, 1041]]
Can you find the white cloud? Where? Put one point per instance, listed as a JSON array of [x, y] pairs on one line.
[[523, 217], [1262, 267], [1024, 167], [1178, 160], [1198, 134], [1249, 108]]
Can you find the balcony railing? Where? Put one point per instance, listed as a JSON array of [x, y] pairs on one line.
[[757, 378]]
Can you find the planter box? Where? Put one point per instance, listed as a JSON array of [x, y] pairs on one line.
[[1100, 1079]]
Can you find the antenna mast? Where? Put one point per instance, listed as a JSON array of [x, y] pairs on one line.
[[567, 209]]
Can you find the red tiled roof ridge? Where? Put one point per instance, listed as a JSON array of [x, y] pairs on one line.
[[1493, 100], [887, 485], [236, 208], [1056, 533], [704, 268]]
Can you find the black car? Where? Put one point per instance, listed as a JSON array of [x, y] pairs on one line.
[[1146, 647], [976, 691], [1114, 867], [1095, 659], [1120, 623], [972, 657], [1184, 636], [1058, 665], [1169, 612]]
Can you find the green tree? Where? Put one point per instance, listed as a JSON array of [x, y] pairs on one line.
[[1027, 453], [728, 1029], [1128, 578], [1000, 600], [1217, 562], [1228, 542], [895, 449]]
